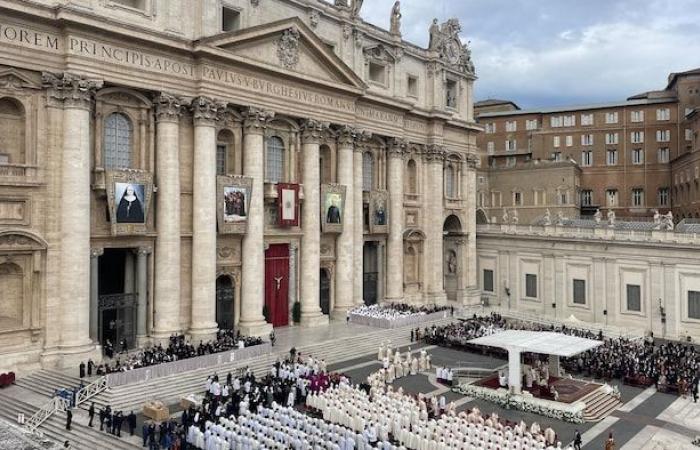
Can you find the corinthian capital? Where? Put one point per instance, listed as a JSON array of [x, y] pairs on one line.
[[255, 119], [206, 111], [397, 148], [72, 90], [434, 153], [312, 131], [168, 108], [362, 140], [347, 136]]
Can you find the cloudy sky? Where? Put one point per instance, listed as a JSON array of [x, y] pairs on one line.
[[559, 52]]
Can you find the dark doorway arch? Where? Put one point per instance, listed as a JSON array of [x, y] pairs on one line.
[[452, 224], [325, 292], [481, 218], [225, 296]]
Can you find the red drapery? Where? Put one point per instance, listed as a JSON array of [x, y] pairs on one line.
[[277, 284]]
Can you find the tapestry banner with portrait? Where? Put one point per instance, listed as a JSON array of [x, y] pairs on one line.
[[378, 212], [332, 208], [129, 199], [288, 204], [233, 193]]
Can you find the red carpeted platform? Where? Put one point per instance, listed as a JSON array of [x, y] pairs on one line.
[[569, 390]]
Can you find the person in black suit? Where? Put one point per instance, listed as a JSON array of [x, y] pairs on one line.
[[69, 419], [131, 421], [91, 413]]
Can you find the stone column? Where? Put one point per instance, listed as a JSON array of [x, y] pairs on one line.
[[203, 322], [345, 245], [166, 309], [359, 225], [434, 156], [142, 292], [76, 94], [470, 276], [514, 371], [311, 226], [293, 249], [554, 365], [252, 322], [394, 260], [95, 254]]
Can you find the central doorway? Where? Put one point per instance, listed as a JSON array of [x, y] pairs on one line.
[[325, 292], [117, 302], [277, 284], [370, 273], [225, 296]]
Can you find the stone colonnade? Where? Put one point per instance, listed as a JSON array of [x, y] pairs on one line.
[[79, 297]]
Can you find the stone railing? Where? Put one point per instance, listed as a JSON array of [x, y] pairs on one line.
[[12, 170], [601, 234], [53, 405], [199, 362]]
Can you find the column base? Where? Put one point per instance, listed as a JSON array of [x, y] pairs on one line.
[[340, 313], [70, 356], [204, 333], [437, 298], [257, 329], [315, 319]]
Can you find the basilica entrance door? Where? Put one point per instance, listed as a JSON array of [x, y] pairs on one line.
[[224, 302], [325, 292], [277, 284], [117, 301], [370, 274]]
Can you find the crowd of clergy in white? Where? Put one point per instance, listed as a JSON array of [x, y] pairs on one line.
[[394, 311], [395, 366], [392, 416]]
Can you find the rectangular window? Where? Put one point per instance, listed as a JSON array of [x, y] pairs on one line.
[[611, 117], [693, 305], [637, 156], [496, 199], [634, 297], [412, 86], [377, 73], [569, 141], [530, 285], [611, 157], [511, 145], [517, 199], [586, 119], [230, 19], [488, 280], [511, 126], [556, 156], [579, 292], [637, 116], [612, 138], [663, 135], [637, 197], [587, 158], [556, 121], [221, 159], [586, 197], [637, 137], [490, 128], [664, 154], [570, 121], [663, 196], [531, 124], [611, 197], [490, 148], [563, 197], [688, 134], [586, 139], [663, 114], [556, 141]]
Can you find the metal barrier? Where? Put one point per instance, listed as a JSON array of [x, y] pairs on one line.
[[39, 417], [90, 390]]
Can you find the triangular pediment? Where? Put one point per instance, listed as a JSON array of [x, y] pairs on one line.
[[288, 46], [11, 78]]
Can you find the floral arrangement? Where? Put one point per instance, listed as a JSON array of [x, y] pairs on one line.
[[569, 413]]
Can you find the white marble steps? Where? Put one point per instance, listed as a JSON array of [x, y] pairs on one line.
[[81, 437], [47, 381], [599, 405], [170, 389]]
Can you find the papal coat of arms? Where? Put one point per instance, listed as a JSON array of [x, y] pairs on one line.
[[288, 48]]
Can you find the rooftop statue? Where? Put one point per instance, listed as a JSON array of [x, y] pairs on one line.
[[445, 40]]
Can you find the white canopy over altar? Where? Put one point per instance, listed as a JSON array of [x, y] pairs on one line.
[[542, 342]]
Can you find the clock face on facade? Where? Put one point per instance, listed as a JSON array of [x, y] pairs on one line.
[[452, 49]]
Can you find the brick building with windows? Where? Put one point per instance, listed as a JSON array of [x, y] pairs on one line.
[[628, 151]]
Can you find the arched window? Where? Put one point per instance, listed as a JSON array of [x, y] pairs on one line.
[[224, 144], [117, 141], [450, 182], [367, 171], [412, 177], [11, 132], [274, 160]]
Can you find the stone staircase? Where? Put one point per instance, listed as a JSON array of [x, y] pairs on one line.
[[599, 405], [47, 381], [171, 389], [81, 436]]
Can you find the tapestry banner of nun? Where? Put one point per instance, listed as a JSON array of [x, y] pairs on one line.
[[332, 208], [379, 212], [129, 198], [233, 203]]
